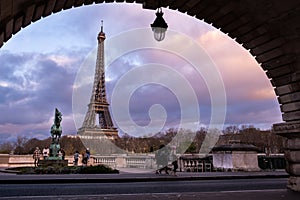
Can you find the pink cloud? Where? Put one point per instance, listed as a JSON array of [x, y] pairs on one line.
[[243, 77]]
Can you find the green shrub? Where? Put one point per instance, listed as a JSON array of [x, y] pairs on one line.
[[98, 169]]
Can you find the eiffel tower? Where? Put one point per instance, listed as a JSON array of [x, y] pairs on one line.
[[98, 106]]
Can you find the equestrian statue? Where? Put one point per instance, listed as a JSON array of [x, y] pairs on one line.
[[56, 129]]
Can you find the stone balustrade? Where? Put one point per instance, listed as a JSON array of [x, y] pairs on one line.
[[186, 162], [146, 161], [106, 160], [7, 160], [195, 163]]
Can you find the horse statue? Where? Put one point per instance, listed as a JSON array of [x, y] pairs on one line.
[[56, 129]]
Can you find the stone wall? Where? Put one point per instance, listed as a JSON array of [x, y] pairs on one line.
[[17, 160], [236, 160], [114, 161], [4, 159], [245, 160], [222, 161], [9, 160]]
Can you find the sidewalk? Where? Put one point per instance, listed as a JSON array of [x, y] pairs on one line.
[[133, 175]]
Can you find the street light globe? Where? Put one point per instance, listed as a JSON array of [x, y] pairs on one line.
[[159, 33]]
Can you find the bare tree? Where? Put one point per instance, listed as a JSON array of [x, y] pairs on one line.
[[19, 145], [6, 147], [233, 129]]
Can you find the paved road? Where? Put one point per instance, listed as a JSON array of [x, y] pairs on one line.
[[148, 190], [146, 185]]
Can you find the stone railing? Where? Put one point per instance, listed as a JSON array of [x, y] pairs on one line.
[[186, 162], [146, 161], [7, 160], [196, 166], [11, 160], [106, 160], [195, 163]]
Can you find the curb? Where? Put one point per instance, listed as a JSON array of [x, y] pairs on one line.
[[128, 180], [8, 171]]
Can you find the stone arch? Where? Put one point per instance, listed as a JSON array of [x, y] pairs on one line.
[[269, 29]]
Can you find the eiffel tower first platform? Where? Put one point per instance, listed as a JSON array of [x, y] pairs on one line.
[[98, 106]]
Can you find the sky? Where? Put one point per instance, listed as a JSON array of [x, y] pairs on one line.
[[195, 76]]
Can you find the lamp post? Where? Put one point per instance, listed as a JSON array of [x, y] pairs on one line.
[[159, 26]]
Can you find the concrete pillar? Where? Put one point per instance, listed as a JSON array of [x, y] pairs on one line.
[[121, 161], [291, 131]]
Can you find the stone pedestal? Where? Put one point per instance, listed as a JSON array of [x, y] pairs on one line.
[[54, 150], [53, 163], [291, 131]]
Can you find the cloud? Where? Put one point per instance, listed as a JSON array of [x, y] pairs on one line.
[[251, 97], [254, 112], [38, 67], [34, 85]]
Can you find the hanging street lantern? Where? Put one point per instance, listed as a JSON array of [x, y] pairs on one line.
[[159, 26]]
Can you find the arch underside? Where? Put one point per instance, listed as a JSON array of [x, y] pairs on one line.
[[269, 29]]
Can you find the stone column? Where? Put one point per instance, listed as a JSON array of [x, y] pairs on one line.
[[121, 161], [291, 131]]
